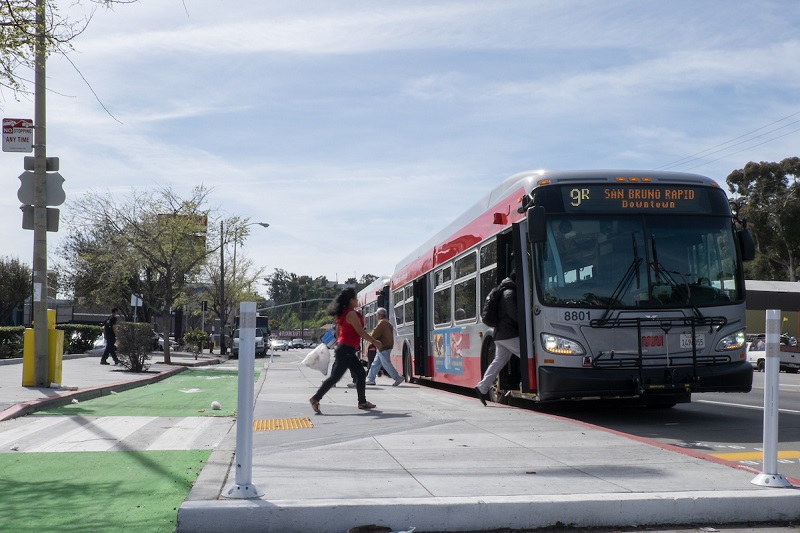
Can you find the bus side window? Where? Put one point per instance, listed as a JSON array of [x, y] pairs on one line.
[[465, 287], [443, 296], [408, 307], [398, 307], [488, 268]]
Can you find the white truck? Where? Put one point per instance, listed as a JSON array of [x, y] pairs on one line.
[[261, 346], [789, 354]]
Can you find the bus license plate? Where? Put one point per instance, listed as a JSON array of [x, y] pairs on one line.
[[699, 339]]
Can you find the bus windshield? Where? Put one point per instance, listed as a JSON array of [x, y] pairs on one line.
[[635, 261]]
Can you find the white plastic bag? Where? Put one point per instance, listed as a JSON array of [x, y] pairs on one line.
[[319, 358]]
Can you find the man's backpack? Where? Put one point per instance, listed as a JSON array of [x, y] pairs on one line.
[[490, 312]]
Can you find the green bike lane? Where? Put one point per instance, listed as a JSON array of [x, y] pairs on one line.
[[122, 462]]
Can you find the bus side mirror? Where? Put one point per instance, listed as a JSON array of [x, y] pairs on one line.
[[746, 244], [536, 225]]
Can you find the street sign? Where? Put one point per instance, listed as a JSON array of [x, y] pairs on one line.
[[17, 135], [52, 218], [55, 189], [51, 163]]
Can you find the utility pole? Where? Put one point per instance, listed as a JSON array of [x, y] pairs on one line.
[[223, 315], [302, 319], [39, 303]]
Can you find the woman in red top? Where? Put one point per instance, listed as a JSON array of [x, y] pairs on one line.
[[349, 331]]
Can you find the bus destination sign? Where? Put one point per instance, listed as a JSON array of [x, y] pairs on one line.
[[625, 197]]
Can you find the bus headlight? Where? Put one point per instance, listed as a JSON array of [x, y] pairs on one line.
[[560, 345], [733, 341]]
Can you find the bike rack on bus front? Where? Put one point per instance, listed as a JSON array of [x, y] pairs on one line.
[[607, 360]]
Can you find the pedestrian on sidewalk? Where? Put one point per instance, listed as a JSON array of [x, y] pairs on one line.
[[385, 333], [110, 335], [506, 335], [349, 331]]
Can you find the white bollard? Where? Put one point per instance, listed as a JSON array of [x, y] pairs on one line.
[[769, 476], [244, 488]]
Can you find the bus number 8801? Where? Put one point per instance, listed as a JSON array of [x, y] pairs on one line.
[[576, 315]]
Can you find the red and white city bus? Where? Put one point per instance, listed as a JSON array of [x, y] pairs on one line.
[[629, 283]]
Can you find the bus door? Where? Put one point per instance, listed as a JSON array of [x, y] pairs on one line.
[[421, 328], [522, 262], [508, 257]]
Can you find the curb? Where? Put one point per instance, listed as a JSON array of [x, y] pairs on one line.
[[26, 408], [479, 514], [18, 360]]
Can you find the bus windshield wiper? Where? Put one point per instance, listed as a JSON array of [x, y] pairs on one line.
[[662, 274], [624, 283]]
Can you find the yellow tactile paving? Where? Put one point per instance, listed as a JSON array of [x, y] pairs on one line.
[[755, 456], [282, 423]]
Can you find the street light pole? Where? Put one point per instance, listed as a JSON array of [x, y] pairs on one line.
[[236, 241], [223, 306]]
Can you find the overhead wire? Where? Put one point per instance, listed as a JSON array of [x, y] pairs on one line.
[[722, 147], [743, 149]]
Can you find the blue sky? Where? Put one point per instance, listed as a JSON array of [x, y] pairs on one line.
[[358, 129]]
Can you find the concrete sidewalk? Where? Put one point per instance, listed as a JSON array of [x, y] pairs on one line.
[[443, 462], [83, 377]]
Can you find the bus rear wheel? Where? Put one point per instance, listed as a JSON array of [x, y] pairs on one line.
[[407, 373]]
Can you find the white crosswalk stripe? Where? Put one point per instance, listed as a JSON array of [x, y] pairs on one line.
[[114, 433], [185, 435], [97, 436], [14, 431]]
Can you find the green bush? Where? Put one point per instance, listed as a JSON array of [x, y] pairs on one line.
[[79, 338], [195, 339], [11, 341], [134, 343]]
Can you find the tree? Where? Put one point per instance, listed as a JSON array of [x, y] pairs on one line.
[[15, 285], [18, 36], [770, 202], [288, 290], [95, 274], [153, 241], [365, 280]]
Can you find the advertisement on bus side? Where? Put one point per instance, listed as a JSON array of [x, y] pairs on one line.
[[448, 347]]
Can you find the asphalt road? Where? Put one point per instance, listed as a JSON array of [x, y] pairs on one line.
[[728, 426]]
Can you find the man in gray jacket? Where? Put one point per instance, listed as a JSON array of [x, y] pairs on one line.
[[506, 336]]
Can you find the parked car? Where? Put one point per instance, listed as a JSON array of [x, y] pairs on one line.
[[98, 347], [160, 344], [298, 343], [261, 347], [278, 344]]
